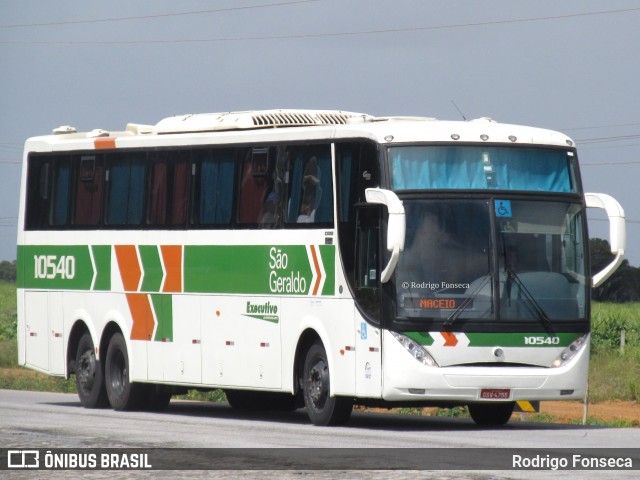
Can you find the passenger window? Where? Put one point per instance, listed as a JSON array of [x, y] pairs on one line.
[[126, 190], [257, 198], [214, 187], [61, 190], [89, 187], [311, 194], [38, 195], [168, 190]]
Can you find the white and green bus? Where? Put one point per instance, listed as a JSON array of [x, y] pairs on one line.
[[309, 258]]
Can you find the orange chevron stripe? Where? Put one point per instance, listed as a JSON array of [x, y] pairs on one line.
[[130, 270], [450, 339], [317, 268], [142, 314], [172, 258]]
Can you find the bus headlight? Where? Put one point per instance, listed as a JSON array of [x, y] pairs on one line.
[[570, 352], [417, 351]]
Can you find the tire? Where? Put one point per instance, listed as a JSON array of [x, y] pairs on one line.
[[90, 375], [491, 414], [322, 409], [122, 394]]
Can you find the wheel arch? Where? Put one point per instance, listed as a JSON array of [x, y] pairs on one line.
[[78, 329], [110, 329], [307, 338]]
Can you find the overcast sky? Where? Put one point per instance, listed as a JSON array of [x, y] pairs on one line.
[[572, 66]]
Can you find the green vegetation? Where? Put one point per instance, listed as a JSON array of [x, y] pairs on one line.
[[594, 422], [8, 324], [615, 352], [623, 285], [22, 379], [8, 271], [215, 396]]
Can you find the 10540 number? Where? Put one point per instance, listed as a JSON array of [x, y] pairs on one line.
[[541, 340], [53, 266]]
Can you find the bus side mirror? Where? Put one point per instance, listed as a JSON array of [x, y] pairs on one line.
[[617, 232], [395, 229]]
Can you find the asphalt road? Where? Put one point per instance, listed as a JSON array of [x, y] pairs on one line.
[[53, 420]]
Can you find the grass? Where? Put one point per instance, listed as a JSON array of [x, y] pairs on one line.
[[609, 321], [22, 379], [594, 422], [8, 313], [613, 374]]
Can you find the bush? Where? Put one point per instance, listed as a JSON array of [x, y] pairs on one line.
[[8, 271], [8, 312]]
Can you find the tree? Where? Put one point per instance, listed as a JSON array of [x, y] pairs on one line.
[[8, 271], [623, 285]]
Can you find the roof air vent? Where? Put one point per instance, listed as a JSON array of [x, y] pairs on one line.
[[64, 129]]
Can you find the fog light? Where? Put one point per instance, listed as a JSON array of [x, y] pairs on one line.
[[571, 351]]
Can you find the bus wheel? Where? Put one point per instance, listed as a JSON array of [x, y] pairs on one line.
[[322, 409], [89, 375], [123, 395], [491, 414]]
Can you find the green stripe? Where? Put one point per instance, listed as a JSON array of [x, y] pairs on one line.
[[254, 269], [163, 306], [54, 267], [102, 259], [421, 338], [249, 269], [504, 339], [519, 339], [328, 254], [152, 267]]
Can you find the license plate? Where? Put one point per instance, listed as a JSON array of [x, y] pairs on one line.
[[495, 393]]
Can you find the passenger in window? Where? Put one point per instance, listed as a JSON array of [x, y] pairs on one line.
[[272, 210], [311, 191], [270, 214]]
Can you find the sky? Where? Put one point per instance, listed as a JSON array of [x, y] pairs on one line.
[[572, 66]]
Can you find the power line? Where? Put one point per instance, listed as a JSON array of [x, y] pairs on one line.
[[608, 139], [321, 35], [610, 163], [606, 220], [160, 15], [601, 126]]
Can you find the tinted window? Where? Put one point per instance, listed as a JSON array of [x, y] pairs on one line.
[[126, 190]]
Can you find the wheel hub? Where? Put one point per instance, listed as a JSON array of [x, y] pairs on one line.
[[87, 369], [319, 384]]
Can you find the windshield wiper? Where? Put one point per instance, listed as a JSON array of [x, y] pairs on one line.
[[456, 313], [533, 305]]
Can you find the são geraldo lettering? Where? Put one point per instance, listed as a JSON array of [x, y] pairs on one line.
[[281, 281]]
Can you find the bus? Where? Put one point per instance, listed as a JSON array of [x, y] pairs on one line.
[[310, 258]]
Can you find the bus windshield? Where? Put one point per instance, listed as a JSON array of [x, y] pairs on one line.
[[446, 167], [530, 267]]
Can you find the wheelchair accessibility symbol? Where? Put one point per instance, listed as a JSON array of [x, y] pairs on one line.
[[503, 208]]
